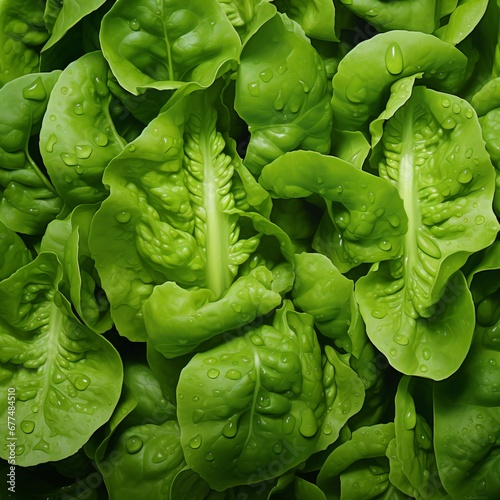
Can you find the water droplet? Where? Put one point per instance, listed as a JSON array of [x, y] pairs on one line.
[[410, 419], [35, 408], [282, 68], [135, 25], [308, 423], [479, 220], [58, 377], [101, 139], [230, 429], [469, 113], [256, 339], [426, 354], [278, 103], [133, 444], [449, 123], [131, 147], [393, 352], [78, 108], [327, 429], [294, 106], [69, 159], [79, 169], [83, 151], [254, 89], [266, 75], [277, 448], [233, 374], [123, 216], [81, 382], [49, 146], [385, 245], [35, 91], [340, 189], [446, 103], [305, 86], [468, 153], [401, 340], [195, 442], [356, 91], [423, 368], [376, 313], [236, 307], [210, 361], [27, 426], [289, 424], [213, 373], [456, 108], [394, 220], [394, 59], [209, 456], [465, 176]]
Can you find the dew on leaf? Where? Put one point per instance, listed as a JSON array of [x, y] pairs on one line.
[[51, 141], [135, 25], [394, 59], [81, 383], [195, 442], [27, 426], [123, 216], [213, 373], [134, 444]]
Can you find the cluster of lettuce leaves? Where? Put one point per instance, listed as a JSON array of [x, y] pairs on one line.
[[249, 249]]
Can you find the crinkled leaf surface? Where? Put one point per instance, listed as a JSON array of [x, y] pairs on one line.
[[22, 32], [252, 400], [67, 379], [366, 73], [28, 200], [411, 15], [316, 17], [282, 94], [368, 215], [78, 138], [145, 460], [432, 151], [176, 212], [167, 44]]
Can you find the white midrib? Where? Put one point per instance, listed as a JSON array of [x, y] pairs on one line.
[[55, 325], [217, 237], [407, 187]]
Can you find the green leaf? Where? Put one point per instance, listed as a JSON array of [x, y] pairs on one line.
[[285, 109], [365, 443], [65, 377], [365, 74], [28, 201], [145, 460], [316, 17], [181, 209], [78, 138], [14, 252], [167, 44], [462, 21], [62, 15], [449, 217], [466, 417], [22, 32], [68, 238], [368, 214], [413, 454], [411, 15], [246, 404]]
